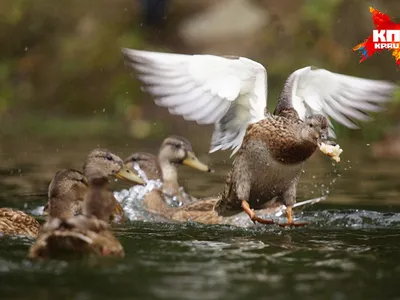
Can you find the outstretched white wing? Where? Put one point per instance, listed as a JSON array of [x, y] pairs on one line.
[[344, 98], [230, 92]]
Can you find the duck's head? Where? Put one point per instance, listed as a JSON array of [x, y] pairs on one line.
[[103, 163], [315, 129], [147, 162], [67, 190], [178, 150]]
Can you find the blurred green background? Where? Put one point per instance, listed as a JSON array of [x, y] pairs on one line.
[[62, 73]]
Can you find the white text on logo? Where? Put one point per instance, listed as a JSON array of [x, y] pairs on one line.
[[386, 39]]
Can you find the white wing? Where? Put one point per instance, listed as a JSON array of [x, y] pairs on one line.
[[341, 97], [228, 92]]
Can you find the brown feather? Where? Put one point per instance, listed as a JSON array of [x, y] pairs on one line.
[[13, 222], [77, 236]]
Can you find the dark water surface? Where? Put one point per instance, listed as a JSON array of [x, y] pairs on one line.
[[351, 249]]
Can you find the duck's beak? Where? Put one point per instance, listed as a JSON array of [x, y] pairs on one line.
[[126, 173], [192, 161], [324, 139]]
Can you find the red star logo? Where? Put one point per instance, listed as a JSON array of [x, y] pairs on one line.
[[386, 36]]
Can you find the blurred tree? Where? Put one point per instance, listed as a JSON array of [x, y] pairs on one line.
[[63, 57]]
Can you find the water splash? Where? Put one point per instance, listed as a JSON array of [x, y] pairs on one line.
[[173, 200], [282, 208], [37, 211], [140, 172], [131, 199], [353, 218]]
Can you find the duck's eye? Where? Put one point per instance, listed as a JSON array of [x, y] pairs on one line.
[[311, 125], [177, 146], [109, 157]]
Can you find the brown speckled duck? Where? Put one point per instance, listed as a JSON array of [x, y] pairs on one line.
[[65, 234], [174, 151], [96, 157], [16, 222], [231, 93]]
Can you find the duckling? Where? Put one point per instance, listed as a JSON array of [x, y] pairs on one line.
[[88, 233], [148, 163], [81, 234], [96, 157], [231, 93], [65, 187], [67, 191], [16, 222], [174, 150]]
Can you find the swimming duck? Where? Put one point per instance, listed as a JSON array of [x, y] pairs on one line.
[[201, 211], [66, 192], [174, 151], [98, 156], [65, 187], [88, 233], [15, 222], [204, 211], [231, 93]]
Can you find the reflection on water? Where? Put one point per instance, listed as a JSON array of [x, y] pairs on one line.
[[350, 250]]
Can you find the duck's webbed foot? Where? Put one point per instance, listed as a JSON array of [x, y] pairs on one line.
[[252, 214], [290, 222]]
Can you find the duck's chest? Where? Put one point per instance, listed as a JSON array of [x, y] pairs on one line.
[[270, 176], [279, 140], [258, 178]]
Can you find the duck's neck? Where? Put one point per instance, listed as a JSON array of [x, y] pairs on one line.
[[170, 177], [287, 106], [61, 207], [99, 201]]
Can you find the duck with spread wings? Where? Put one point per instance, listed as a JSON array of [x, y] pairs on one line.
[[231, 93]]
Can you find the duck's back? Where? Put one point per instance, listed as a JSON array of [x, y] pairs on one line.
[[76, 236], [201, 211], [13, 222]]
